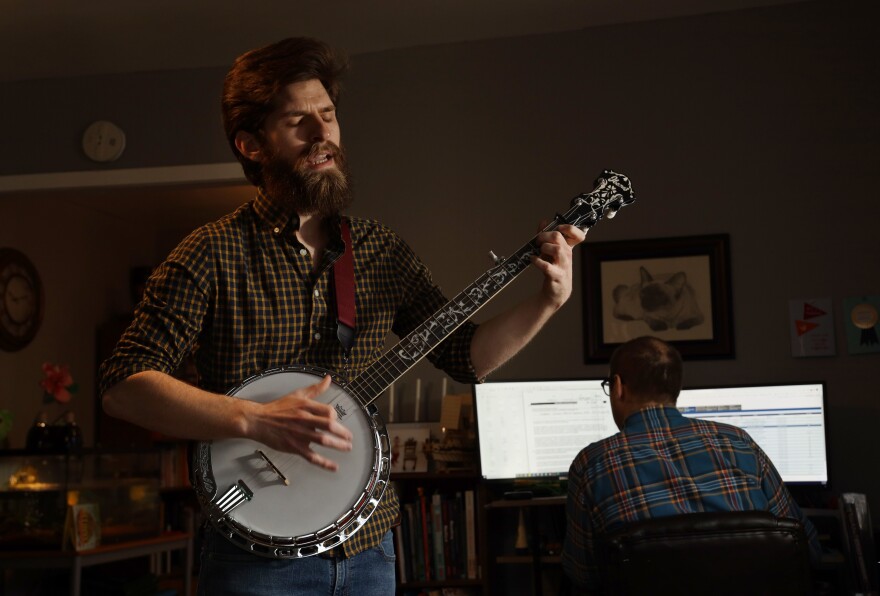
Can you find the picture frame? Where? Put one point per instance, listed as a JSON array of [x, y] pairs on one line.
[[677, 289], [82, 527], [409, 443]]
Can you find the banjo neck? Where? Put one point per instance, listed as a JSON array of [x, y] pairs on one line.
[[612, 192], [423, 339]]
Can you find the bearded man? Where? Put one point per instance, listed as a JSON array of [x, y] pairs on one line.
[[255, 291]]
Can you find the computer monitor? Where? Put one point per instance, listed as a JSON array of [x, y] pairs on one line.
[[788, 421], [534, 429]]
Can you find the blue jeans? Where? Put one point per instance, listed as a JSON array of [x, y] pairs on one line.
[[227, 570]]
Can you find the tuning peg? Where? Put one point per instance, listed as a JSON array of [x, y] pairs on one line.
[[495, 258]]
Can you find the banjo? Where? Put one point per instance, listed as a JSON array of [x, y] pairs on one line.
[[278, 505]]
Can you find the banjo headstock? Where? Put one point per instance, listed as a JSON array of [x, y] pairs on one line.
[[613, 191]]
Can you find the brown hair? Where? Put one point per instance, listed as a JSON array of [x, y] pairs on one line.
[[649, 367], [258, 76]]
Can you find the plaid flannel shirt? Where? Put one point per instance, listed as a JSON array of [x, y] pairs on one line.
[[662, 464], [241, 295]]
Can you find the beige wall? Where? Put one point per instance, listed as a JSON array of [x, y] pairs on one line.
[[761, 124], [83, 258]]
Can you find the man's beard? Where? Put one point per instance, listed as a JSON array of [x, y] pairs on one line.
[[323, 193]]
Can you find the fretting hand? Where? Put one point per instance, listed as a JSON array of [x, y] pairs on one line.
[[556, 261]]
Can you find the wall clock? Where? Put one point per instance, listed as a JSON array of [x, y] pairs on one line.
[[21, 300], [103, 141]]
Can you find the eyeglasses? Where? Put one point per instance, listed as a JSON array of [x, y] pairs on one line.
[[606, 386]]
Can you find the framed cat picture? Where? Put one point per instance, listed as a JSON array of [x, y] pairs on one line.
[[677, 289]]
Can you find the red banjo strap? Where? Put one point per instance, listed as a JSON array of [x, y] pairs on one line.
[[343, 276]]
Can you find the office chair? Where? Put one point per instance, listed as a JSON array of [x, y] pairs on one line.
[[743, 552]]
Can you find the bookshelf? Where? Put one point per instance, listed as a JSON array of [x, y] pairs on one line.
[[454, 556]]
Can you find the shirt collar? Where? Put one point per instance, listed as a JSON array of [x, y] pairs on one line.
[[285, 223], [281, 221], [653, 417]]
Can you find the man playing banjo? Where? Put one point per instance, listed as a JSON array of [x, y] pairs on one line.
[[256, 290]]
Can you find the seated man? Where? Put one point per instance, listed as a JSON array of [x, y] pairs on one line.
[[661, 463]]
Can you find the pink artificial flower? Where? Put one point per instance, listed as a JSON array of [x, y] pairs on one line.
[[57, 382]]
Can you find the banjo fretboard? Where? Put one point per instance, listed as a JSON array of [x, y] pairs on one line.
[[612, 192]]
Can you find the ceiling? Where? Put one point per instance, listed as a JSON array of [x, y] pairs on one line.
[[67, 38]]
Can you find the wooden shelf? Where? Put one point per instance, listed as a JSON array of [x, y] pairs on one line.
[[533, 502], [527, 559], [432, 476]]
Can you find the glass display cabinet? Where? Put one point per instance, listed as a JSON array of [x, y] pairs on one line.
[[36, 491]]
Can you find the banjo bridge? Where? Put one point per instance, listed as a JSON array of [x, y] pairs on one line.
[[274, 468]]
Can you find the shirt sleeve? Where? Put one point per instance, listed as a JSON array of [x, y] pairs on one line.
[[169, 318], [422, 299], [579, 549]]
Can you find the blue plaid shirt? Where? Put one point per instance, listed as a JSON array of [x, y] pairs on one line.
[[662, 464]]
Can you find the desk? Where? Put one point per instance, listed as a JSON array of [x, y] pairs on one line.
[[75, 561]]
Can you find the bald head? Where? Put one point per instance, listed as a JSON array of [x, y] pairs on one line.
[[650, 369]]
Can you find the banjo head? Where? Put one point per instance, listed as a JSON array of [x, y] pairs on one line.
[[241, 483]]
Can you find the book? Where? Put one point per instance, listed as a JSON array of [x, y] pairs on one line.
[[437, 532], [456, 533], [414, 526], [473, 571], [174, 466], [425, 514], [448, 530]]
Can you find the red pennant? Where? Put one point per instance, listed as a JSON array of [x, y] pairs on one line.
[[804, 327], [811, 312]]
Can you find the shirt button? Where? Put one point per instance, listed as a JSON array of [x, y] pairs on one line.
[[303, 252], [317, 293], [277, 230], [317, 336]]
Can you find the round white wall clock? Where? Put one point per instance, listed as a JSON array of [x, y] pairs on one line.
[[103, 141]]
